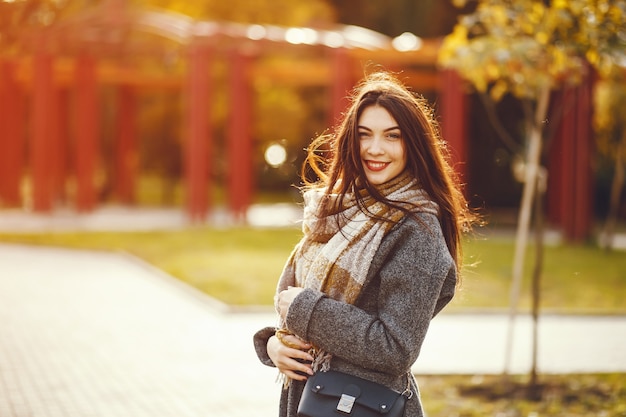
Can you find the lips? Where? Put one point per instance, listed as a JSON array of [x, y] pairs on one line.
[[375, 165]]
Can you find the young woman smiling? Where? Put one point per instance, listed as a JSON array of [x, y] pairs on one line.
[[380, 254]]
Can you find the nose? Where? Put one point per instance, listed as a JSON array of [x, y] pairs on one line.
[[375, 146]]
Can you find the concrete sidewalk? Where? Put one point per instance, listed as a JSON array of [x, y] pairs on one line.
[[124, 218], [99, 334]]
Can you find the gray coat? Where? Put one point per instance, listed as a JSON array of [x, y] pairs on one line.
[[411, 278]]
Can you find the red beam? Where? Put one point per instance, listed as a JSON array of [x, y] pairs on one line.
[[11, 135], [87, 132], [239, 138]]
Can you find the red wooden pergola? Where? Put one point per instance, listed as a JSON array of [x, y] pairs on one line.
[[74, 58]]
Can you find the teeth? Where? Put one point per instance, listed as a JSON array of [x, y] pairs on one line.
[[376, 165]]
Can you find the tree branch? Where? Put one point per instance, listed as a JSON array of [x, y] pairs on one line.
[[501, 131]]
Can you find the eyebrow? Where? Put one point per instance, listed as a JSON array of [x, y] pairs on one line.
[[386, 130]]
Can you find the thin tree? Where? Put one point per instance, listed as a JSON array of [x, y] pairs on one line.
[[528, 48]]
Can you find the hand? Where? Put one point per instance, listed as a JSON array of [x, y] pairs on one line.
[[285, 298], [285, 358]]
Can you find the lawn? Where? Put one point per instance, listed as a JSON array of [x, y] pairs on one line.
[[240, 266], [588, 395]]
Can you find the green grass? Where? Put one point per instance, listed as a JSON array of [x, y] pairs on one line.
[[240, 266], [588, 395]]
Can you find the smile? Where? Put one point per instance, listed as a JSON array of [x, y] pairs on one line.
[[376, 166]]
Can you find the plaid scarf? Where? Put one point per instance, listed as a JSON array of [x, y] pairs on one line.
[[336, 251]]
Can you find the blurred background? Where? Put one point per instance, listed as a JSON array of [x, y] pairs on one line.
[[174, 132], [198, 105]]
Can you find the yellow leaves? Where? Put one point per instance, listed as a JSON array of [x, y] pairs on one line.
[[542, 37], [592, 56], [537, 12], [452, 44], [609, 102], [616, 14], [559, 61], [492, 71], [458, 36], [498, 90], [282, 12], [520, 47], [499, 15]]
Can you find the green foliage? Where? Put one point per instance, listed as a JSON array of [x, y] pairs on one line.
[[522, 47]]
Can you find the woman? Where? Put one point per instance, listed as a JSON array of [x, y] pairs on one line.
[[381, 249]]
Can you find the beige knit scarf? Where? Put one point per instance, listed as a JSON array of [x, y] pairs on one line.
[[335, 253]]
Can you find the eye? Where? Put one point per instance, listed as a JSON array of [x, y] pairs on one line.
[[364, 134], [394, 135]]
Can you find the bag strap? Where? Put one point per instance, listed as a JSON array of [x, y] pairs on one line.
[[408, 393]]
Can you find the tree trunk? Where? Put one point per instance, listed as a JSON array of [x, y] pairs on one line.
[[534, 390], [521, 237], [616, 191]]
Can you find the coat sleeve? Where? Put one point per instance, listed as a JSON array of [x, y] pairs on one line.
[[260, 338], [407, 284]]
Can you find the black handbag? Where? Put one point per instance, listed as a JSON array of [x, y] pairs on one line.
[[334, 393]]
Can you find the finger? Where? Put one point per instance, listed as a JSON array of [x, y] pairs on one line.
[[300, 365], [295, 361], [293, 353]]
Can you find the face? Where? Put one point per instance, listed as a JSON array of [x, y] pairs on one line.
[[381, 145]]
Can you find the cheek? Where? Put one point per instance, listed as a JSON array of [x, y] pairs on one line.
[[402, 154]]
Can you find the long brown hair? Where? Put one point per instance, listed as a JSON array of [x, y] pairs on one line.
[[335, 158]]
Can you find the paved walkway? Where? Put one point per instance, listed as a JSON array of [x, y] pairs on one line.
[[97, 334]]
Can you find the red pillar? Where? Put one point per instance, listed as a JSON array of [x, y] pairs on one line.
[[126, 146], [454, 120], [341, 85], [56, 149], [570, 189], [87, 132], [63, 157], [197, 146], [560, 164], [239, 137], [41, 144], [11, 135], [583, 175]]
